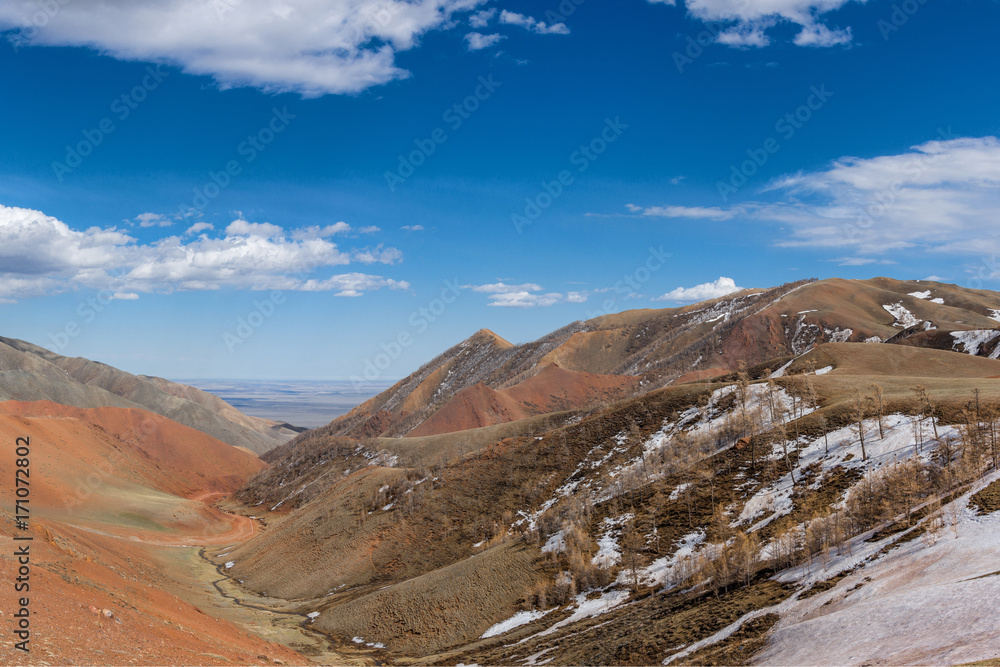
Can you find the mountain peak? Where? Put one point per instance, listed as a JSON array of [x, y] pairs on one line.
[[490, 337]]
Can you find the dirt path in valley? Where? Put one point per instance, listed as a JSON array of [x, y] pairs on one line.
[[213, 590], [242, 529]]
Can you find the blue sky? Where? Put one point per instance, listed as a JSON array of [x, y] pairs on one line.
[[306, 162]]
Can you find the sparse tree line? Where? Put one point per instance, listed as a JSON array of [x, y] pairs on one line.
[[893, 493]]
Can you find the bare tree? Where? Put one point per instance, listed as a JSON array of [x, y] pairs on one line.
[[783, 434], [632, 546], [926, 407], [878, 402], [859, 412], [824, 426]]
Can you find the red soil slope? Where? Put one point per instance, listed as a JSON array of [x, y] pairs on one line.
[[551, 390], [138, 447], [110, 489], [76, 576]]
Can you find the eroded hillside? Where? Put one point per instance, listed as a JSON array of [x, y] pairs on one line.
[[657, 348], [692, 524]]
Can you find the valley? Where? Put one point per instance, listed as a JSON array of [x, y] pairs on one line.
[[801, 475]]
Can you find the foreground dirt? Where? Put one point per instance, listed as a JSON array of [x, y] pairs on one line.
[[101, 600], [122, 504]]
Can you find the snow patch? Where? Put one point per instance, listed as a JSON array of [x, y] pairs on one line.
[[515, 621], [973, 341], [589, 608], [675, 494], [900, 443], [904, 318], [668, 571], [556, 543], [937, 581], [608, 554]]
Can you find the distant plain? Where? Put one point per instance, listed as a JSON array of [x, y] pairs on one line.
[[300, 403]]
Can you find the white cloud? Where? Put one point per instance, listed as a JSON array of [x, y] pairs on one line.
[[153, 220], [941, 195], [696, 212], [527, 295], [532, 24], [751, 18], [482, 18], [704, 292], [313, 48], [352, 284], [262, 229], [478, 42], [316, 232], [503, 288], [744, 36], [41, 255], [412, 228], [861, 261], [199, 227], [819, 35]]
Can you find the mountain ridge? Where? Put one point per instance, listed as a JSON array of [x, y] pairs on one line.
[[29, 372]]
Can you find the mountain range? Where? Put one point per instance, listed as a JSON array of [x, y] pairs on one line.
[[806, 474]]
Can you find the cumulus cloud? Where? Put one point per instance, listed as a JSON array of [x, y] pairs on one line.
[[412, 228], [750, 19], [312, 48], [704, 292], [477, 41], [533, 24], [527, 295], [41, 255]]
